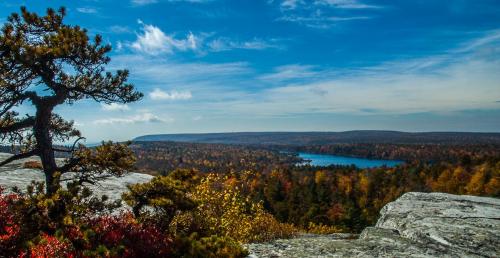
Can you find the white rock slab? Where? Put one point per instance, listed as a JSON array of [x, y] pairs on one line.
[[14, 175]]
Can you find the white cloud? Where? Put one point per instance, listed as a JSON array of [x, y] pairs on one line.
[[158, 94], [115, 107], [87, 10], [140, 118], [154, 41]]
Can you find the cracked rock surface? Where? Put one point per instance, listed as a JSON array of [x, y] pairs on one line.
[[415, 225]]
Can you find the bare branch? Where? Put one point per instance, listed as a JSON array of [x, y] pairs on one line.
[[19, 156], [56, 149]]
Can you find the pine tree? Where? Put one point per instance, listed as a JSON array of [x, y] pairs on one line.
[[46, 63]]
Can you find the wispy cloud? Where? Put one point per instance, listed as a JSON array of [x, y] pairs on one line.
[[489, 37], [158, 94], [291, 72], [318, 20], [143, 2], [439, 83], [388, 93], [192, 1], [225, 44], [140, 118], [115, 107], [118, 29], [87, 10], [161, 71], [433, 84], [340, 4], [291, 4], [346, 4], [322, 14], [147, 2]]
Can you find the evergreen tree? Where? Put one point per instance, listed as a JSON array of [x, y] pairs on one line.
[[47, 63]]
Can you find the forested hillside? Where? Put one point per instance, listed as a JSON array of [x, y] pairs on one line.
[[334, 198], [162, 157]]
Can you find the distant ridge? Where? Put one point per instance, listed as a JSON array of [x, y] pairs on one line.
[[316, 138]]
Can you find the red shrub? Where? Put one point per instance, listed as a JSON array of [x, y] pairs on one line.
[[136, 239], [50, 247], [9, 228], [106, 236]]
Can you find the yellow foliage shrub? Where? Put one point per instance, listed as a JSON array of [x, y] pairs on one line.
[[226, 212]]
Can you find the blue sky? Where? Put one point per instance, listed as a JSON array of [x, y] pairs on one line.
[[292, 65]]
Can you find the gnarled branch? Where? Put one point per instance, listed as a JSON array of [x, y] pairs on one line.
[[19, 156], [25, 123]]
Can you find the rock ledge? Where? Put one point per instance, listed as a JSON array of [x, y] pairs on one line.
[[415, 225]]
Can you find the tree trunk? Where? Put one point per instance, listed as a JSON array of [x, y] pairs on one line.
[[44, 145]]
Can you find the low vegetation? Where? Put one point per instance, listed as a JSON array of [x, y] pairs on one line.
[[33, 164], [179, 215]]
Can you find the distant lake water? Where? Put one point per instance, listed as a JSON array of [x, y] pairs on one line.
[[326, 160]]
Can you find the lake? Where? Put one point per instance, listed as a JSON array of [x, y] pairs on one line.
[[326, 160]]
